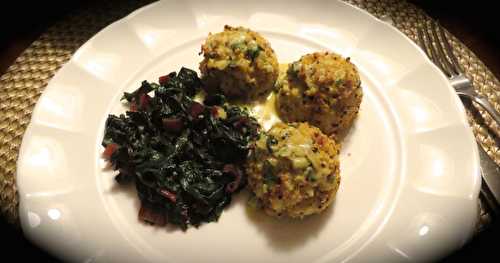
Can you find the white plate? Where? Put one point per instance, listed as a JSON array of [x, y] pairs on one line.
[[410, 166]]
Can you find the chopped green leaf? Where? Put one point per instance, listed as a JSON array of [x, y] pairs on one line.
[[310, 175], [269, 173], [254, 51], [270, 142]]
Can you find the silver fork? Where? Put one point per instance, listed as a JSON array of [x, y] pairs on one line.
[[441, 53]]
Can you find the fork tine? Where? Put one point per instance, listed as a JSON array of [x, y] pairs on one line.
[[446, 62], [449, 50], [422, 41], [434, 56]]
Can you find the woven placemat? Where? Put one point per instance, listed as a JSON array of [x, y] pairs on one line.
[[24, 81]]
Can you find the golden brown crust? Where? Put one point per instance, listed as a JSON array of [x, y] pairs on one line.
[[240, 63], [306, 167], [323, 89]]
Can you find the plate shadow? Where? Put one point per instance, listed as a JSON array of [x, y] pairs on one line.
[[286, 234]]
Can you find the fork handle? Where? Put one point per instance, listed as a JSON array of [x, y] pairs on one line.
[[483, 102]]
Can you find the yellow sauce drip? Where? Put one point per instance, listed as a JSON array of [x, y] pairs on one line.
[[265, 112]]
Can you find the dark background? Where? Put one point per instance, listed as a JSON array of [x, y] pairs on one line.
[[474, 23]]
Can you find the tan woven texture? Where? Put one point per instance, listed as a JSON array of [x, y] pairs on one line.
[[24, 81]]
